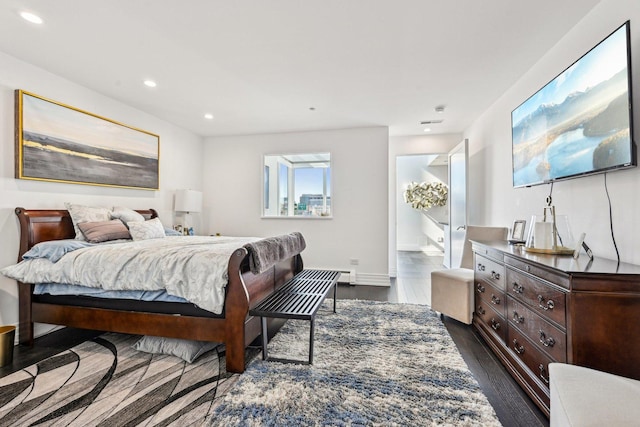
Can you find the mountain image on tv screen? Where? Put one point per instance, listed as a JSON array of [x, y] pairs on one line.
[[579, 122]]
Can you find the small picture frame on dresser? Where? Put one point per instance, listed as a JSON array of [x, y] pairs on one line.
[[517, 232]]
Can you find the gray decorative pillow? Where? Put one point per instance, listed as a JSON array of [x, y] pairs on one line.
[[126, 215], [186, 350], [152, 229], [102, 231], [81, 213]]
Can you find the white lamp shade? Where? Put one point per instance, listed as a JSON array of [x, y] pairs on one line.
[[188, 201]]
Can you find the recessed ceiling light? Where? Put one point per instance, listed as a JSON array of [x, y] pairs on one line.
[[150, 83], [427, 129], [208, 116], [312, 108], [33, 18], [439, 109]]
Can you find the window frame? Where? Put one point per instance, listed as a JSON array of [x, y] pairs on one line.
[[275, 184]]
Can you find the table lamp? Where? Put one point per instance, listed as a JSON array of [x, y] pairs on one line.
[[188, 201]]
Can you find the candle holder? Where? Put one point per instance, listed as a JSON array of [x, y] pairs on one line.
[[550, 233]]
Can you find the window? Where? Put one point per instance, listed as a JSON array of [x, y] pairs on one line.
[[297, 185]]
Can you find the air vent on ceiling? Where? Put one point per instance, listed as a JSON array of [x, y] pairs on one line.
[[431, 122]]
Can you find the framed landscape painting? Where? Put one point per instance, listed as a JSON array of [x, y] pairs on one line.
[[56, 142]]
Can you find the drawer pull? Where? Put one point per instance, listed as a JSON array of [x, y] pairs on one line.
[[517, 347], [517, 318], [495, 276], [494, 299], [495, 325], [547, 342], [543, 374], [481, 267], [480, 310], [548, 305], [518, 289], [480, 288]]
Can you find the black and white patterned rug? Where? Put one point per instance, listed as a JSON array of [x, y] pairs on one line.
[[374, 364], [105, 382]]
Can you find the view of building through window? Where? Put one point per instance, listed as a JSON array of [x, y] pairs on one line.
[[298, 185]]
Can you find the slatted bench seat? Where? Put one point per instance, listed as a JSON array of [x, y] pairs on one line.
[[299, 298]]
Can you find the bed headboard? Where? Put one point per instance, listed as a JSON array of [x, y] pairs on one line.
[[41, 225]]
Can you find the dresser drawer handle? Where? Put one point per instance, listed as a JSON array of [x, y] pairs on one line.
[[481, 267], [480, 288], [495, 325], [495, 276], [517, 347], [480, 310], [543, 374], [547, 342], [518, 289], [494, 299], [517, 318], [548, 305]]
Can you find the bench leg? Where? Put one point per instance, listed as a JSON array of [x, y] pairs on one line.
[[265, 337], [335, 295], [312, 328]]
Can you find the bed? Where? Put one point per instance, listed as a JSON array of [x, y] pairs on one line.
[[234, 327]]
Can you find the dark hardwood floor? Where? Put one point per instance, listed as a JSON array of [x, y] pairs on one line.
[[412, 285]]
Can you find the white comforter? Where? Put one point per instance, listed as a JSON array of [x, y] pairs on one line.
[[191, 267]]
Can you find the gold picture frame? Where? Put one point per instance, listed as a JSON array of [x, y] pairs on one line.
[[59, 143]]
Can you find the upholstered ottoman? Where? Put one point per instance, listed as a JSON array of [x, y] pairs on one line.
[[452, 293], [586, 397]]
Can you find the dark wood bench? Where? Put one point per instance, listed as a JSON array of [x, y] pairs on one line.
[[299, 298]]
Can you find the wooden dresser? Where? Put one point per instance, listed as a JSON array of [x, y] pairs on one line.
[[534, 309]]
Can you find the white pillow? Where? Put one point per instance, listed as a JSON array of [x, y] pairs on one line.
[[186, 350], [126, 215], [152, 229], [81, 213]]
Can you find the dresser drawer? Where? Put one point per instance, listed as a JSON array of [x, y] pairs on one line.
[[559, 279], [547, 337], [489, 270], [546, 300], [491, 296], [493, 320], [533, 357]]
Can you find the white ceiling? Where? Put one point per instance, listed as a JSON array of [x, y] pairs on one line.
[[259, 66]]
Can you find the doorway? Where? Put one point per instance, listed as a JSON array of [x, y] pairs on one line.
[[420, 238]]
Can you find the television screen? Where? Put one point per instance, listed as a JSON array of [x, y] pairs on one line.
[[580, 122]]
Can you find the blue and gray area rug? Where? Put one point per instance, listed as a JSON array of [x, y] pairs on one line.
[[374, 364]]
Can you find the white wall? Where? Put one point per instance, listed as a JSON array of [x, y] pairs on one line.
[[419, 230], [180, 164], [584, 200], [409, 145], [359, 198]]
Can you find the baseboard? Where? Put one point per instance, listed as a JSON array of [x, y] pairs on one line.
[[428, 250], [372, 279]]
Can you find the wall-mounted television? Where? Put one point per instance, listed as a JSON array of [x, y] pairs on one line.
[[580, 122]]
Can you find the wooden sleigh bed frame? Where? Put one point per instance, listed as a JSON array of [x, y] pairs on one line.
[[234, 327]]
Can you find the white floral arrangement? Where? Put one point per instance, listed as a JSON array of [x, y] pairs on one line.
[[426, 195]]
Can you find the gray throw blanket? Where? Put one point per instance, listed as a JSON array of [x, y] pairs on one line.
[[266, 253]]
